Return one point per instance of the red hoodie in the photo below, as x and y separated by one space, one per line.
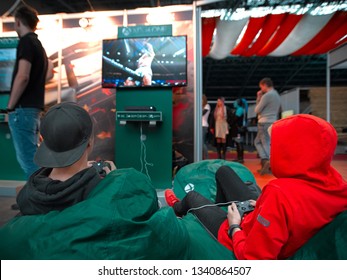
307 194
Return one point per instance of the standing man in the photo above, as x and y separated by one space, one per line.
28 87
267 108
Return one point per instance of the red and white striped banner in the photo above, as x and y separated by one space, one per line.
274 35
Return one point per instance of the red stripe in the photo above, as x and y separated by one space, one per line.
333 41
208 27
253 27
270 25
287 25
334 23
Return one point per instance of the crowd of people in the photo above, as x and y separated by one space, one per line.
228 125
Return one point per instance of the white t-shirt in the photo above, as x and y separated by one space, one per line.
205 116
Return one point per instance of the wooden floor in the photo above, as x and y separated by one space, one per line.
254 165
251 162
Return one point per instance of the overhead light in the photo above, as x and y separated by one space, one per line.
47 23
84 22
160 16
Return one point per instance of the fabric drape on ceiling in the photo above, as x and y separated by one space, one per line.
287 25
270 25
277 35
253 28
325 35
334 41
207 30
302 33
226 37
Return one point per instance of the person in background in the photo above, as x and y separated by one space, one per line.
220 127
28 87
267 107
307 194
206 109
238 128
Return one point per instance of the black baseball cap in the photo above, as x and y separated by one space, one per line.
66 129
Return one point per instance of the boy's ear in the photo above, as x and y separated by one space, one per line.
90 142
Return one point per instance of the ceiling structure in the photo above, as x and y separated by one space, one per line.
232 76
78 6
239 76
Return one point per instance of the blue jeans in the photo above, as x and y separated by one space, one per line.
24 125
262 140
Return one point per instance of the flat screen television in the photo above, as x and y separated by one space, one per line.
144 62
8 50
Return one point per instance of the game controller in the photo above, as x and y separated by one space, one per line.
244 207
99 166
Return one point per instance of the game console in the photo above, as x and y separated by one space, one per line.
244 207
140 108
99 166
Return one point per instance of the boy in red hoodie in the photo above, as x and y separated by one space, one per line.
307 194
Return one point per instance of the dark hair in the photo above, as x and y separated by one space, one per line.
267 81
204 100
27 15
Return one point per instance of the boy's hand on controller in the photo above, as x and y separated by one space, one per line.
233 216
109 166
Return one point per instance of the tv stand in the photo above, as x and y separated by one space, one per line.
152 117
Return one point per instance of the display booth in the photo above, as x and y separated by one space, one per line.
144 107
74 43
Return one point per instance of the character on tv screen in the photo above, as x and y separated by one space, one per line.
144 66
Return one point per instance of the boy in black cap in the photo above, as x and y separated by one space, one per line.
66 177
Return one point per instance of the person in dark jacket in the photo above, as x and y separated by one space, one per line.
238 128
66 177
69 212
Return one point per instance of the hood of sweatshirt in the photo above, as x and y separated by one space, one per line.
41 194
302 147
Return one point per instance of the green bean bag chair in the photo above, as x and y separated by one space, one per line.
119 220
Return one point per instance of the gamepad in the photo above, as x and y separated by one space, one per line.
99 166
244 207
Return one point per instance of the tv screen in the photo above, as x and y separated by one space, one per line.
8 50
144 62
